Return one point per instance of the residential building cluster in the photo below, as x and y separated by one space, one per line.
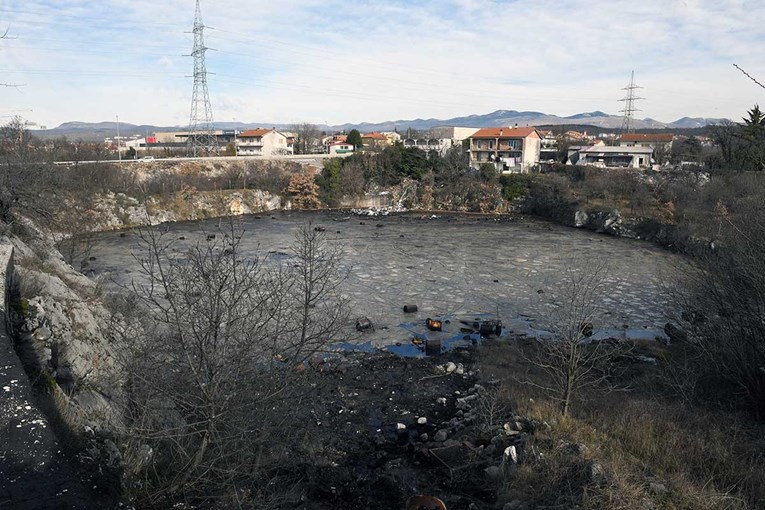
510 149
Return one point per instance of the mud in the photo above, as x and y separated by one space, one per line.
450 266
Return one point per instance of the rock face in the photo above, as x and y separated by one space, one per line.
612 222
34 470
65 334
117 210
607 222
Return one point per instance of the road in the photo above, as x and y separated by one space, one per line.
303 159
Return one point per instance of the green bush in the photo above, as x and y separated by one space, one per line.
514 186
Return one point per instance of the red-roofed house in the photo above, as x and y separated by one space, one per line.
375 140
652 140
510 149
660 143
263 142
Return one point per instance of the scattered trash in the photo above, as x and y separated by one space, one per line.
379 225
489 328
182 238
433 347
122 234
210 236
363 324
433 325
383 211
320 228
424 503
417 340
410 308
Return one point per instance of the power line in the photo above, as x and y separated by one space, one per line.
289 47
749 76
64 72
78 18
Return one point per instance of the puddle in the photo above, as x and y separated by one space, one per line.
457 333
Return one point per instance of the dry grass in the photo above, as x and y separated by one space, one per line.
642 439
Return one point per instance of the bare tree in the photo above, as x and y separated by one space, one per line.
218 383
570 360
308 138
23 176
723 301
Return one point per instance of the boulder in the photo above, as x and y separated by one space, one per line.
580 219
510 455
493 472
596 474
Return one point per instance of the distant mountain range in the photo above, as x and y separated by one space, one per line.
100 130
513 117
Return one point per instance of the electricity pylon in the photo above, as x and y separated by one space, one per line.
629 105
202 140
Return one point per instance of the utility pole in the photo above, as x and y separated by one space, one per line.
202 139
119 149
629 105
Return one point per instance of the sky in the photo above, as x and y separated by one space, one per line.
328 61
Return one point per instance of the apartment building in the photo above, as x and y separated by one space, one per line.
511 150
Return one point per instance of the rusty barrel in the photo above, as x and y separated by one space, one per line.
432 347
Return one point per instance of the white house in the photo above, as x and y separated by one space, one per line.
338 148
610 157
263 142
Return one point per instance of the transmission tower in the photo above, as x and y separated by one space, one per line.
629 105
201 140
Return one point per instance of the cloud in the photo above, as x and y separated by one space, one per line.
311 60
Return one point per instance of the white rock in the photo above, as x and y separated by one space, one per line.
450 367
422 421
510 455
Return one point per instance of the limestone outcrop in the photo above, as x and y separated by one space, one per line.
65 334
